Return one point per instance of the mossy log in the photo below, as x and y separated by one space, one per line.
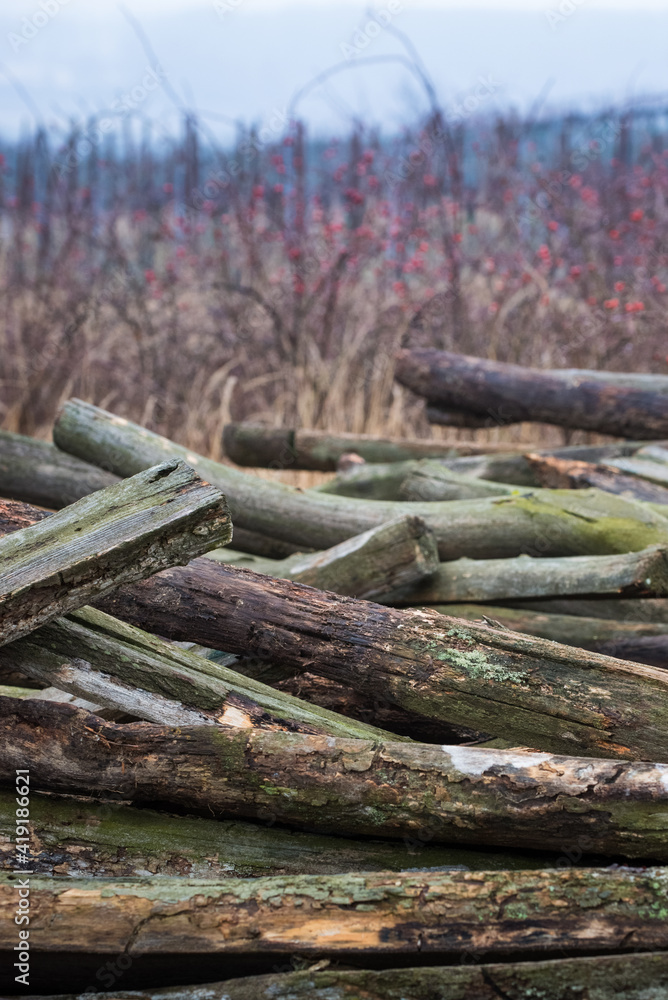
159 517
559 473
630 574
526 689
641 976
36 472
379 914
415 480
280 448
109 662
546 523
505 393
396 556
88 837
449 794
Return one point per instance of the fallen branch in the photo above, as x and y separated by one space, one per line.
455 795
163 516
506 393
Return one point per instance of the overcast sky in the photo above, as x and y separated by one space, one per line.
246 59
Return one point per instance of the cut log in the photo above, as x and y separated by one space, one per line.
559 473
279 448
163 516
630 574
507 393
547 523
644 610
382 913
94 656
396 556
641 642
107 839
36 472
641 976
417 480
531 691
455 795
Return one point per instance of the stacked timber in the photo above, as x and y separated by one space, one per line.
404 734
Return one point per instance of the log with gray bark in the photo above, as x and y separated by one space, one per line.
94 656
543 523
505 393
394 557
642 976
159 517
449 794
644 610
558 473
630 574
36 472
281 448
87 837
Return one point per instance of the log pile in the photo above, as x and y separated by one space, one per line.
401 735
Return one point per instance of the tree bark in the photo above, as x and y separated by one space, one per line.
107 839
641 642
96 657
449 794
547 523
507 393
644 610
159 517
528 690
416 480
559 473
396 556
601 977
36 472
268 447
631 574
416 913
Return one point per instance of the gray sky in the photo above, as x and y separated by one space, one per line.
245 59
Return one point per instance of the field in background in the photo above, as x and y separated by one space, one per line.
183 285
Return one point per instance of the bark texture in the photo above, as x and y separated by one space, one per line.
577 911
455 795
163 516
546 523
559 473
506 393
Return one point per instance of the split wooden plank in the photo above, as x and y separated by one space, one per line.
546 523
94 656
159 517
505 393
631 574
107 839
258 446
642 976
449 794
36 472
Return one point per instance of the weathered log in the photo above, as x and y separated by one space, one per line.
508 393
416 480
396 556
97 657
163 516
36 472
89 837
449 794
638 641
641 976
15 515
529 690
559 473
548 523
474 420
381 913
631 574
280 448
